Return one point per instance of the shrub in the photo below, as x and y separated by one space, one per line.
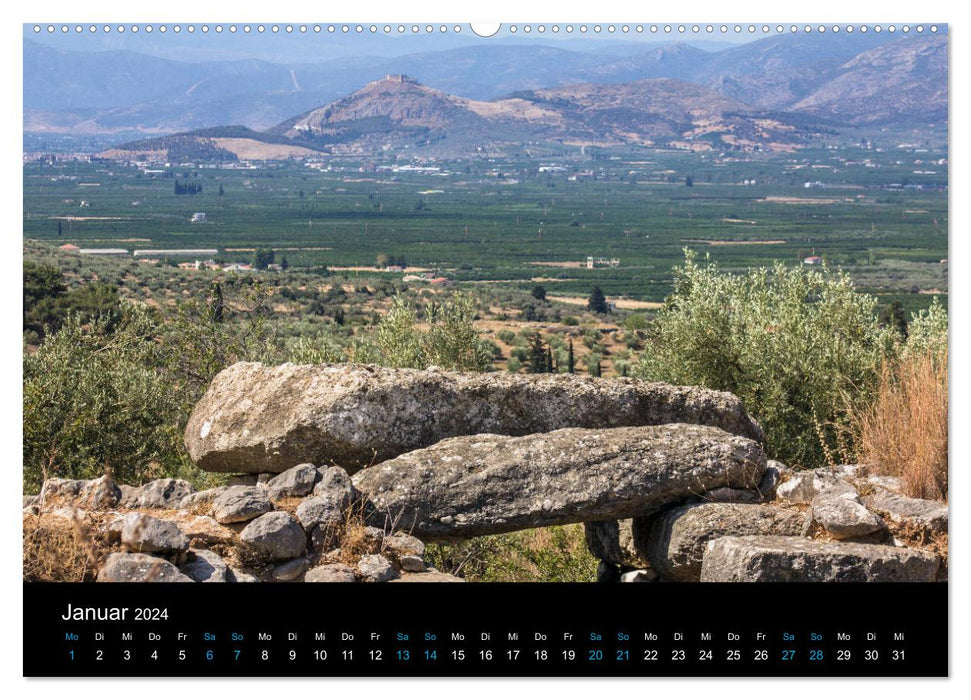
927 332
55 549
319 350
903 432
451 342
47 301
200 343
636 322
796 345
96 400
398 336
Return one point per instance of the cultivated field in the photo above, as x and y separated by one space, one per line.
879 214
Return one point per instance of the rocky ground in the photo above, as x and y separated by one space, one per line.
671 484
298 526
829 524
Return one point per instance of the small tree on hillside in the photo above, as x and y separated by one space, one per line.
537 356
263 258
216 303
598 302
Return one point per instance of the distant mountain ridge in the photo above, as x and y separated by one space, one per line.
398 113
104 92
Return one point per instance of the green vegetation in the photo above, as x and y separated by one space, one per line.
552 554
96 399
495 221
47 302
450 342
801 347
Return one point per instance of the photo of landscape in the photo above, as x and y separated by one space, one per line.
563 304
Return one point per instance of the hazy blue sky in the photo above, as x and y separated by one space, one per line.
314 47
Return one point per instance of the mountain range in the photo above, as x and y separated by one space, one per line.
770 92
397 113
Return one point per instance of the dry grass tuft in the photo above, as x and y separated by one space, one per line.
56 549
904 432
352 536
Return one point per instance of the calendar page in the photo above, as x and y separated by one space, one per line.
623 345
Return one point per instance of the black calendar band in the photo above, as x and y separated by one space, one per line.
347 630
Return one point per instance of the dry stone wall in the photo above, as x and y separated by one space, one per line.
341 472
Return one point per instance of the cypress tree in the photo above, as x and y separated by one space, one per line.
216 304
537 356
598 302
570 363
549 360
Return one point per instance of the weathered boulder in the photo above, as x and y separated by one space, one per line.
402 544
613 541
755 558
375 568
488 484
775 472
677 538
848 471
253 479
275 536
201 502
143 533
129 494
238 576
331 573
69 514
411 563
237 504
803 486
256 418
726 494
139 568
844 517
204 529
887 483
112 526
93 494
316 511
290 570
916 514
205 566
297 481
99 494
335 485
429 576
162 494
60 492
374 538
